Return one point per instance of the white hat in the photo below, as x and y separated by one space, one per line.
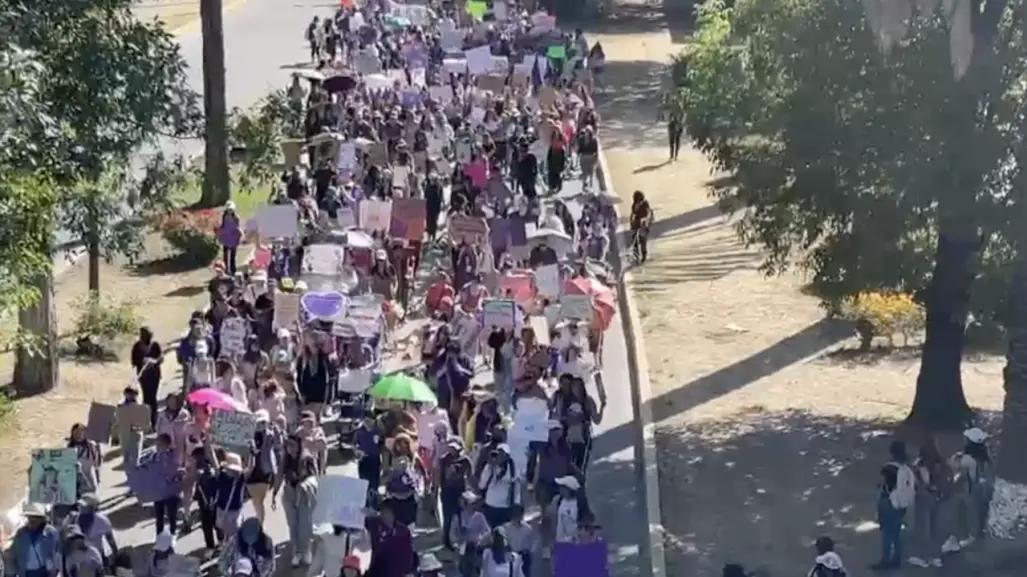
230 205
284 333
164 542
242 566
429 562
469 496
570 482
34 510
262 416
975 435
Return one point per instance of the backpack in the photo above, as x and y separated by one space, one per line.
904 493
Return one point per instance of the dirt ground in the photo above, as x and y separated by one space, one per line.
175 14
766 440
164 296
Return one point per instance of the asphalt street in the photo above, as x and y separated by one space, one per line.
263 39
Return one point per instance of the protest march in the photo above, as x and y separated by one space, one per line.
425 300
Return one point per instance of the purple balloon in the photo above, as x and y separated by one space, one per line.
324 306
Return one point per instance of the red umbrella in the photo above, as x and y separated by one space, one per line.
604 302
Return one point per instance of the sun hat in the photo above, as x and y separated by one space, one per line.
242 566
975 435
569 481
34 510
232 462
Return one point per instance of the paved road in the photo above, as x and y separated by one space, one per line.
261 37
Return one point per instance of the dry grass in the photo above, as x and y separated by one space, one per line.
764 442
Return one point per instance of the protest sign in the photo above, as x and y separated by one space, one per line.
519 285
375 215
580 559
346 218
341 501
577 307
278 221
233 336
287 310
100 422
53 476
547 280
468 229
154 478
324 259
531 420
292 150
347 160
408 218
500 313
134 416
233 429
479 60
540 326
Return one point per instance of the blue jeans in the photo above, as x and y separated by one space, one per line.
890 520
299 516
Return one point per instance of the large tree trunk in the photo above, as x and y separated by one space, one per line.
1013 436
215 178
939 404
36 371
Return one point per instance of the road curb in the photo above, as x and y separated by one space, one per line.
641 392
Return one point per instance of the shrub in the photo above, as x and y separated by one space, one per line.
103 320
192 233
883 314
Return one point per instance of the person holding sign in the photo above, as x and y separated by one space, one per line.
299 479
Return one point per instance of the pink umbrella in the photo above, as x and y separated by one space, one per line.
217 400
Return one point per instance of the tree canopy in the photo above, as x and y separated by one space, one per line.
850 160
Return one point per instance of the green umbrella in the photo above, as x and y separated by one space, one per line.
402 387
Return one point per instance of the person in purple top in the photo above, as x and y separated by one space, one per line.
230 236
392 545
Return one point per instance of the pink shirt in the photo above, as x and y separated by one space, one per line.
478 172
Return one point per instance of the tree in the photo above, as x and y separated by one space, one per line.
869 167
107 85
27 203
258 133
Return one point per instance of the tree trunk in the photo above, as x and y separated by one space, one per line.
35 370
1012 439
939 404
94 266
215 178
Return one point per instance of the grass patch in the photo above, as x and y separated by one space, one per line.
8 411
247 202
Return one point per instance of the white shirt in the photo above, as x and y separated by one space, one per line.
489 567
498 487
234 387
567 520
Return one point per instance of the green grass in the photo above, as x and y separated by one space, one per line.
247 202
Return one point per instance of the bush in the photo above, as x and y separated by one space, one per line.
101 320
192 233
883 314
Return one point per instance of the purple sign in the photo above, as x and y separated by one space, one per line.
325 306
580 560
155 478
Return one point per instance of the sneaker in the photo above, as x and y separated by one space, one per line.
308 558
295 560
966 542
936 562
951 545
547 553
917 562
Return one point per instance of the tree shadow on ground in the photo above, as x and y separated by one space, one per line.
186 291
759 488
171 265
629 113
625 18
